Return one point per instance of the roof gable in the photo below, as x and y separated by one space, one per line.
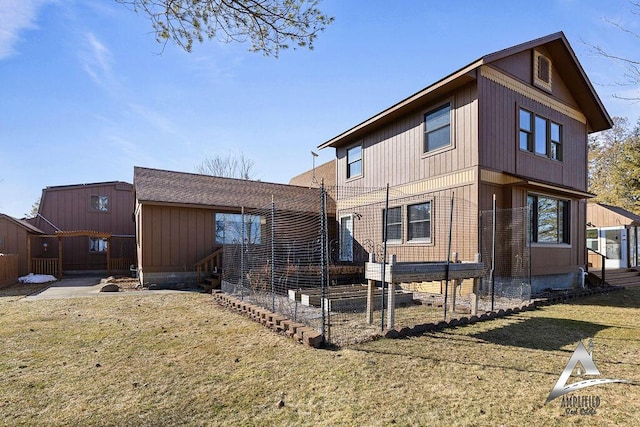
167 187
621 216
22 223
557 46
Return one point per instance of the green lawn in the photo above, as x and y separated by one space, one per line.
179 359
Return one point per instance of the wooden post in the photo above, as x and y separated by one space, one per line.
391 314
370 293
29 269
59 258
474 297
109 256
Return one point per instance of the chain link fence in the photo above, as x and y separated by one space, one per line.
321 266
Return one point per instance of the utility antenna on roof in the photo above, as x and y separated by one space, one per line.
313 171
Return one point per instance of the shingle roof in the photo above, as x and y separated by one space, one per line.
24 224
162 186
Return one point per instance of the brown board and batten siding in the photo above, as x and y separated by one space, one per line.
499 149
486 97
393 154
69 208
14 235
176 217
501 97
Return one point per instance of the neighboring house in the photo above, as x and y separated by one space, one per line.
324 173
14 238
513 124
613 232
90 225
183 219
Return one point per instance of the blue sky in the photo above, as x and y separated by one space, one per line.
85 93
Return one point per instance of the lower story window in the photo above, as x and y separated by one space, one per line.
394 225
593 242
236 228
97 244
549 219
419 220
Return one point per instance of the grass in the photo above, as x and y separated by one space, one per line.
178 359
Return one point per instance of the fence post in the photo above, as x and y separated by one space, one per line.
273 255
242 233
391 321
323 247
446 270
371 291
385 215
493 254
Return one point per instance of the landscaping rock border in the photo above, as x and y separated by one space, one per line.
313 338
417 330
298 331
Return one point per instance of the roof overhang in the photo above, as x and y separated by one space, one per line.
417 100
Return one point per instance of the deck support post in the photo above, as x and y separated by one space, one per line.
391 313
370 292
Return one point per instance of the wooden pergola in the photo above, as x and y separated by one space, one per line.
62 234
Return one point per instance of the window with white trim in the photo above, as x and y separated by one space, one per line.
593 240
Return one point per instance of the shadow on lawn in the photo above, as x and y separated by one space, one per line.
541 333
625 298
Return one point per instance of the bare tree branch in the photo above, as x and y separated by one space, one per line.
270 25
229 166
631 66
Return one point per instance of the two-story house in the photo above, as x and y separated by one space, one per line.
512 124
89 228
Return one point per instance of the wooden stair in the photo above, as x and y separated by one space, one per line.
209 271
619 277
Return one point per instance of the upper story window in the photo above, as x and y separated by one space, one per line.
394 224
1 242
419 219
540 135
354 161
549 219
100 203
437 128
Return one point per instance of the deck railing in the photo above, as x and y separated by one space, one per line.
602 260
209 263
121 264
44 266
